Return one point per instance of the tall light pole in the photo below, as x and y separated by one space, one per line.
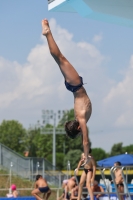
38 165
11 165
68 169
47 116
54 140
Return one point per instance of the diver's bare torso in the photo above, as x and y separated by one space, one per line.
82 105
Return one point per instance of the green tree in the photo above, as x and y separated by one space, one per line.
68 116
117 149
59 160
31 139
128 149
44 144
12 135
98 154
64 144
73 156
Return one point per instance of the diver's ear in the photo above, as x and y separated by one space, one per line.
79 128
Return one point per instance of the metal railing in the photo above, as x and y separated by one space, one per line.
107 190
29 167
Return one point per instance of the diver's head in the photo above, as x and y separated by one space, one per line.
72 129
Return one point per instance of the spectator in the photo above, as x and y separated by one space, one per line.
74 193
69 187
26 153
41 186
97 188
14 192
64 184
119 178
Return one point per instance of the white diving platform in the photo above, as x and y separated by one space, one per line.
111 11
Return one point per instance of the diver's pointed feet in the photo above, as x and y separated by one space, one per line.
45 27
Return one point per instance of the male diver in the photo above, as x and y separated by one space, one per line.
74 83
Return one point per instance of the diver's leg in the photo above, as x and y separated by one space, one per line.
68 71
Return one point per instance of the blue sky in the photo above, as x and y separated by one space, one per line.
31 81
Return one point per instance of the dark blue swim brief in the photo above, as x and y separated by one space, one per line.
73 88
44 189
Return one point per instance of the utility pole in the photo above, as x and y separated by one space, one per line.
47 116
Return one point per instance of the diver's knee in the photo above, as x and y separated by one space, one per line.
62 59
